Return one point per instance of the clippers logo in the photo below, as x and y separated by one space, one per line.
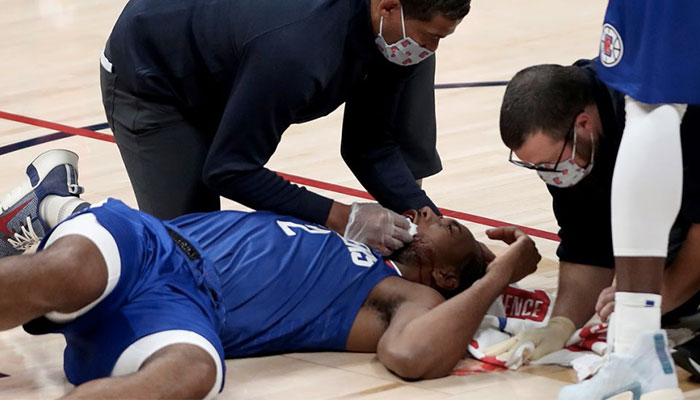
611 48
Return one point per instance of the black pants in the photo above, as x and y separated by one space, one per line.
163 153
679 231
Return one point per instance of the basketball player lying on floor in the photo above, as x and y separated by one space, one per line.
151 308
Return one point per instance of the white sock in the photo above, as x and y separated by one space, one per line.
635 314
54 209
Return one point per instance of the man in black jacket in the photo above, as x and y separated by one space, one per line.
198 94
554 116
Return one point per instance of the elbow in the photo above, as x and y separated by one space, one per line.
211 176
406 364
349 155
219 177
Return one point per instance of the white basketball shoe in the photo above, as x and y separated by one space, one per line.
54 172
646 374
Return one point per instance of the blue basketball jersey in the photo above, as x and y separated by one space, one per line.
650 50
286 285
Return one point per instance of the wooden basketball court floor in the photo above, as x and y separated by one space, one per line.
49 51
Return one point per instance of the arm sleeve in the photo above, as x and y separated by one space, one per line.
261 106
373 116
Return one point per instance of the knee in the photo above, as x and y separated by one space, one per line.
202 376
184 371
76 273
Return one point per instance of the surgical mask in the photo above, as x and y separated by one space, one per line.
405 52
567 173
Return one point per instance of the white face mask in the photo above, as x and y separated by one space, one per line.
568 173
404 52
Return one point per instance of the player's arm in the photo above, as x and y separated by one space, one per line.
578 289
426 340
374 115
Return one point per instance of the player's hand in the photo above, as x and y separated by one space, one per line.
378 227
547 339
488 254
520 258
606 303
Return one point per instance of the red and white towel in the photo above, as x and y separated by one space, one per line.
519 309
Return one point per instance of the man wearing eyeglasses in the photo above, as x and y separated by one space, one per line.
566 124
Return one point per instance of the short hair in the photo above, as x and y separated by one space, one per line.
425 10
543 97
472 270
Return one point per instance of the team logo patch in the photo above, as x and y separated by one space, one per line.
611 48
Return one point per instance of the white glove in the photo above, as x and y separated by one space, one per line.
546 340
378 227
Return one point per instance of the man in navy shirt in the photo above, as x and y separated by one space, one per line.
151 308
199 93
567 124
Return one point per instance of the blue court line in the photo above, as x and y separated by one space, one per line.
60 135
470 84
46 138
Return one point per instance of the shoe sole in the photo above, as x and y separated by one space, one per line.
666 394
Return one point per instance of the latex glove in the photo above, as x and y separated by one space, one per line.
546 340
378 227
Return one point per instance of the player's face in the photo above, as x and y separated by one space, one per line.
439 242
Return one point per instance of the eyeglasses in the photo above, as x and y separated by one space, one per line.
547 167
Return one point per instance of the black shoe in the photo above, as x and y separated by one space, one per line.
687 356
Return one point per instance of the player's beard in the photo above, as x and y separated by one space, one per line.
414 254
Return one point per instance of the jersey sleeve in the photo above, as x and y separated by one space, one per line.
374 116
265 96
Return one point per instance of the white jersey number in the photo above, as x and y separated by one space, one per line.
288 225
360 254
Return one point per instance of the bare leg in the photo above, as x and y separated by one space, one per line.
639 274
175 372
65 277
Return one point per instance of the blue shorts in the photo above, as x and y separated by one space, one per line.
163 285
650 50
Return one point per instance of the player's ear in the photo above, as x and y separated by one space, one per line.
386 7
446 277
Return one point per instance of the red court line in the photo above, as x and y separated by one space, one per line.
445 211
292 178
57 127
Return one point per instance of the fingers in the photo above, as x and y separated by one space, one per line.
400 221
501 348
508 234
391 244
605 297
539 352
605 312
402 235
